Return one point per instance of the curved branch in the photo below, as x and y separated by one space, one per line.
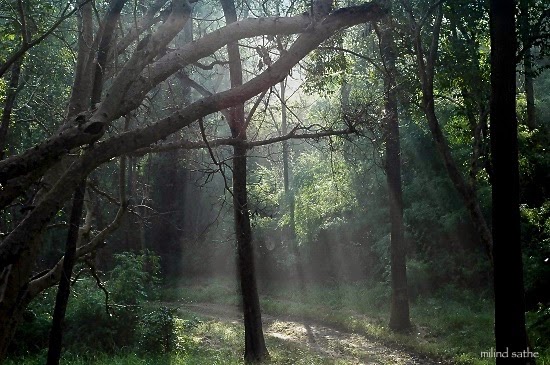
19 240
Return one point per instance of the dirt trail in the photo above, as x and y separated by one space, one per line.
326 341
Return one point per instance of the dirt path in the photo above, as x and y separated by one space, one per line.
326 341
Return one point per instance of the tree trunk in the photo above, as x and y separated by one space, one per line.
286 163
289 194
527 64
399 316
467 192
63 291
9 104
255 349
510 332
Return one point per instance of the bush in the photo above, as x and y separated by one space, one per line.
156 331
90 325
538 324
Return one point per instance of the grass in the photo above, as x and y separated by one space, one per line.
200 342
451 326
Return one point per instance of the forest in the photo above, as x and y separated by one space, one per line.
277 182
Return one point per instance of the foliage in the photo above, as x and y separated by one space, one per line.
156 331
135 278
93 325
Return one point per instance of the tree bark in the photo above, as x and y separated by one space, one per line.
255 349
399 313
64 289
510 332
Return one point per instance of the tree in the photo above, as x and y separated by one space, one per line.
93 130
254 345
426 59
510 332
399 313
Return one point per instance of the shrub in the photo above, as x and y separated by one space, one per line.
156 331
90 325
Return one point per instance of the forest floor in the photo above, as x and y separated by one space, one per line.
336 345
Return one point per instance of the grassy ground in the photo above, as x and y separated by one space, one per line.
200 342
454 326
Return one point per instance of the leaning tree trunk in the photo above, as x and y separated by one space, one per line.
510 332
255 349
426 71
399 315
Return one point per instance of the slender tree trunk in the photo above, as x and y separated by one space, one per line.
399 315
255 349
426 70
9 104
64 289
510 332
527 65
529 90
286 162
289 193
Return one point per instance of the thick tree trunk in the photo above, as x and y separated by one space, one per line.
11 306
510 332
255 349
399 315
64 289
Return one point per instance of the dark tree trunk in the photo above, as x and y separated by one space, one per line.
168 192
510 332
399 316
255 349
9 104
63 291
